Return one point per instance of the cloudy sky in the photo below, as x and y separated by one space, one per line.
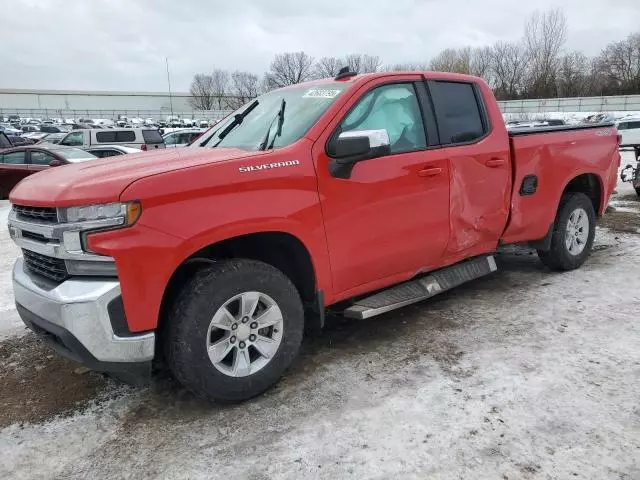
122 44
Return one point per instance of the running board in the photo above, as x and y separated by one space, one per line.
422 288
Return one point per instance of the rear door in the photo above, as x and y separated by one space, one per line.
480 167
13 168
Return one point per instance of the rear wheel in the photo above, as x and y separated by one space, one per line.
573 233
234 329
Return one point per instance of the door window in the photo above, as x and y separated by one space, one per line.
41 158
74 139
393 108
170 139
14 158
458 112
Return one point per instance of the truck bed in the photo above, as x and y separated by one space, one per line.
545 161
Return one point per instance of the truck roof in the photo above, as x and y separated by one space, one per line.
365 77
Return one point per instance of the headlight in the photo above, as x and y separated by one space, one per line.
120 214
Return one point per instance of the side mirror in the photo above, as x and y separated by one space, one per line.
55 163
355 146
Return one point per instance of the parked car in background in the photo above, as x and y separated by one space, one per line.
13 118
29 128
629 129
4 141
18 163
53 138
35 136
50 128
17 141
9 130
142 138
102 151
181 138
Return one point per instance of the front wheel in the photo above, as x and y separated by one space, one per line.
573 233
234 329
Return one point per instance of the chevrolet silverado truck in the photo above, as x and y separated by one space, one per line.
362 192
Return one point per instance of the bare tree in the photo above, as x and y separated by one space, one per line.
545 35
289 69
244 87
362 63
202 92
220 87
328 67
481 63
575 77
619 66
406 67
508 66
452 60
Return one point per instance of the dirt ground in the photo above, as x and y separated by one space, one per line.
525 374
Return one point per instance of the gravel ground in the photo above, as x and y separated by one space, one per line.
524 374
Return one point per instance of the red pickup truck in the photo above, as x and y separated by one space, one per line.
365 192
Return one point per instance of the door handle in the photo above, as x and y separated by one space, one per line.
429 172
495 162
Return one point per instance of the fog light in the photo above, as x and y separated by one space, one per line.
87 267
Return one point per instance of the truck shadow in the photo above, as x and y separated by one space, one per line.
39 385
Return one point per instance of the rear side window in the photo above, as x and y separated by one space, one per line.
126 136
152 136
14 158
106 137
634 125
460 118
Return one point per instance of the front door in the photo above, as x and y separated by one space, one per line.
390 218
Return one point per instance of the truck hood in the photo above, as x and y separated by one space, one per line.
103 180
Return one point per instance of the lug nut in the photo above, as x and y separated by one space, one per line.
245 319
232 339
242 344
234 326
252 338
254 325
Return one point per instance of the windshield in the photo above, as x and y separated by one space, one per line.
304 105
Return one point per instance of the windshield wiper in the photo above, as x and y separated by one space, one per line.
237 120
280 117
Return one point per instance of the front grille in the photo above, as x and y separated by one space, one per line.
41 214
49 267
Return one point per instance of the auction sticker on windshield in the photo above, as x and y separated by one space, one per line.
321 93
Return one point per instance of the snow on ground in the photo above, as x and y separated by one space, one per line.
569 117
524 374
10 323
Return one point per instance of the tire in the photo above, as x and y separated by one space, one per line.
637 191
191 334
560 257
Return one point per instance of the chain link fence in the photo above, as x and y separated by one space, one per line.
579 104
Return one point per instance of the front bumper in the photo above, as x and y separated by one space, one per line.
74 317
